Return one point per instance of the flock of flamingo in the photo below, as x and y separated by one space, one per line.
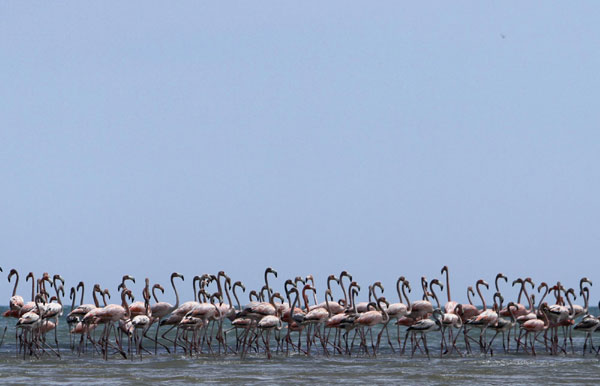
296 320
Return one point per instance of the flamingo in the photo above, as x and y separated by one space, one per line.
161 309
142 322
485 318
568 321
31 320
498 277
397 310
372 318
420 309
578 310
466 312
520 308
258 310
535 326
450 305
318 316
16 301
268 324
111 314
293 316
588 324
333 306
503 325
55 310
425 326
29 306
450 321
206 312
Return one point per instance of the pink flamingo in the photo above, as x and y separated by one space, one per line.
450 305
110 315
485 318
535 326
161 309
16 301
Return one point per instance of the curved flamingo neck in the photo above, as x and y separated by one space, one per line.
546 320
32 285
374 294
433 294
344 288
73 295
424 287
296 300
512 314
448 284
327 302
227 294
57 290
253 293
16 283
82 285
176 293
154 288
469 290
194 288
329 279
384 314
305 297
521 291
95 298
571 309
543 297
408 305
531 305
481 296
219 287
398 289
586 295
236 298
267 285
124 304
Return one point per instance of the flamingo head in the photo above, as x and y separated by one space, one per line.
530 281
160 287
436 281
271 270
542 285
240 284
58 277
483 283
128 277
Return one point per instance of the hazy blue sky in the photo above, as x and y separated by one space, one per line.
386 139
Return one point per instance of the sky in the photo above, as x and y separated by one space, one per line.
383 139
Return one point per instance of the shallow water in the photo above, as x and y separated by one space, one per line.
295 368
